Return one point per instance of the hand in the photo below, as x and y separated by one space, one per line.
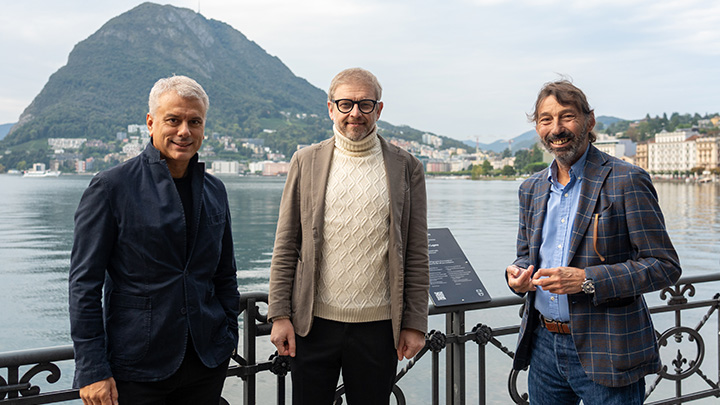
560 280
519 279
411 342
282 336
103 392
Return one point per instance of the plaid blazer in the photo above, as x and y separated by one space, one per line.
619 238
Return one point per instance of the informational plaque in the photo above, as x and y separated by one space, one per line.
453 281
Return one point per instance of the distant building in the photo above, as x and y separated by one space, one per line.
66 143
708 152
430 139
133 148
225 167
275 168
142 130
435 166
615 147
498 164
673 151
641 154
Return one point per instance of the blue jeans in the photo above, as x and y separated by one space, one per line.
556 376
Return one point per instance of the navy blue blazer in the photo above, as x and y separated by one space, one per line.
630 255
135 291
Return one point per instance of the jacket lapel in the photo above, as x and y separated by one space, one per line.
322 157
396 179
593 178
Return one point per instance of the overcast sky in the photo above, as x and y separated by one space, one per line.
459 68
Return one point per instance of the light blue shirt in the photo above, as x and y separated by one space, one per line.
557 230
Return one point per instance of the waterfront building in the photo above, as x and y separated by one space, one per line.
275 168
498 164
615 147
673 151
708 152
437 165
641 154
225 167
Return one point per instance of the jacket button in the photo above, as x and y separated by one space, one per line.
183 310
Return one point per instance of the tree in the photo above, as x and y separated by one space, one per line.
486 168
535 167
506 153
508 170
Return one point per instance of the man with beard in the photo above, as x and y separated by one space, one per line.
349 276
591 241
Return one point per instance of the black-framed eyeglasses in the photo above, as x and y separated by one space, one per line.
345 105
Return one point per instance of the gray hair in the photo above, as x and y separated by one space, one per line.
354 76
184 86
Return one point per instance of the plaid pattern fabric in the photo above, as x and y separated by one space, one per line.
612 329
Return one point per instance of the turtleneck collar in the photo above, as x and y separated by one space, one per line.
362 147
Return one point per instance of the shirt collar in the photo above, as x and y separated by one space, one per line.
576 170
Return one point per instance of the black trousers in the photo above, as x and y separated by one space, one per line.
364 352
192 384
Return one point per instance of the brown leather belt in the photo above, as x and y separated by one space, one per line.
555 326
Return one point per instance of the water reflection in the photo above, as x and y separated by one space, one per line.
36 239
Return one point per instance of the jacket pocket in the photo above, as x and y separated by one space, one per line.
128 323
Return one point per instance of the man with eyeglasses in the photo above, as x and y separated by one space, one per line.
591 242
349 276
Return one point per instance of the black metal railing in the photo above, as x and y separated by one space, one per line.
16 387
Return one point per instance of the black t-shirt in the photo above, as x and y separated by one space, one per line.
184 188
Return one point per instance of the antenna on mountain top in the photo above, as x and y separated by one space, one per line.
198 6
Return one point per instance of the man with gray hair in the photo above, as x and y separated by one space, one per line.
349 275
152 286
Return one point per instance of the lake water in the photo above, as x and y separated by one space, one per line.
36 224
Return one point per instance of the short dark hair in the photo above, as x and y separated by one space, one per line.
565 93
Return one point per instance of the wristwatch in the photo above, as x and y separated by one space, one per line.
588 286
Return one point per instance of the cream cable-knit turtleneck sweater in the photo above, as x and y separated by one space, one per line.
353 278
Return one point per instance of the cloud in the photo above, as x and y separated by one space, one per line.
460 68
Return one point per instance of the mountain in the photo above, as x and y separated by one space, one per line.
4 129
523 141
105 84
527 139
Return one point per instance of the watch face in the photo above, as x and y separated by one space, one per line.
588 287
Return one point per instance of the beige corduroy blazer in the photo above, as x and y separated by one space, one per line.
299 238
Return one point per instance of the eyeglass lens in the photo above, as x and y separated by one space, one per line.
346 105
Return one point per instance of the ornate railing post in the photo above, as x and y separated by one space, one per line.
455 358
249 347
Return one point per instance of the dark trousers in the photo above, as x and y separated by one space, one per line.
364 352
192 384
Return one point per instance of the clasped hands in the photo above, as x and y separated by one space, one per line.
557 280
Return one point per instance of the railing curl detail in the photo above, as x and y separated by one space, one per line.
679 361
677 293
